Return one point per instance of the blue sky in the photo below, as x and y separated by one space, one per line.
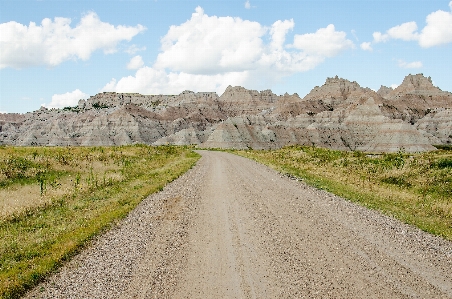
53 53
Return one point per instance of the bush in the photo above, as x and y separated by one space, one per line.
99 106
395 160
398 181
443 163
15 167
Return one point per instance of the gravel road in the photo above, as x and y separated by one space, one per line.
232 228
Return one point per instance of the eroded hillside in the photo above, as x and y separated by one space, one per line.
339 114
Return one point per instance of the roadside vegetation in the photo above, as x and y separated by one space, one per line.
415 188
54 200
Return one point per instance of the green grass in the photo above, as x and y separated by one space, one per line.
444 147
36 241
415 188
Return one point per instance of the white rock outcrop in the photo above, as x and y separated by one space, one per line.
339 114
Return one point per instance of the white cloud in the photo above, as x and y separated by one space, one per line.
53 42
326 42
210 52
207 45
406 31
133 49
354 35
394 86
366 46
410 65
3 112
247 4
438 30
135 63
279 31
66 99
379 37
149 80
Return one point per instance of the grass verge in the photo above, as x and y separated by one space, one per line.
415 188
36 241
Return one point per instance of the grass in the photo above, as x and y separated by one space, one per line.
77 193
415 188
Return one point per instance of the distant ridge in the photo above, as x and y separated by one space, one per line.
339 115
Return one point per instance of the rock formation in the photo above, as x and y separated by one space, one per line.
339 114
384 91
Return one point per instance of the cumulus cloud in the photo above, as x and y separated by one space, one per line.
410 65
279 31
438 31
406 32
207 44
247 4
135 63
379 37
326 42
148 80
367 46
53 42
66 99
210 52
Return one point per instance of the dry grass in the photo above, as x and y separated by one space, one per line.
36 176
62 197
416 188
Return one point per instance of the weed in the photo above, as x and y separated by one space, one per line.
443 163
42 182
398 181
81 192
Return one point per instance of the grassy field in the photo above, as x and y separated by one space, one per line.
415 188
54 200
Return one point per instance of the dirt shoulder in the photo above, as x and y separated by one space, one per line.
232 228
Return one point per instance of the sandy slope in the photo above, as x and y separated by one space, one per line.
231 228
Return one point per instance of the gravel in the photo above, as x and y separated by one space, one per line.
232 228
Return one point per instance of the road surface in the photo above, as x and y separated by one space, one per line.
232 228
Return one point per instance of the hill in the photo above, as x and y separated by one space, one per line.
339 114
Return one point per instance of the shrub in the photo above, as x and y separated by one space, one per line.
398 181
15 167
443 163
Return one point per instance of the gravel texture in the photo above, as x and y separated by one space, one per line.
232 228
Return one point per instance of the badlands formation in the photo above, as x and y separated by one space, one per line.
339 115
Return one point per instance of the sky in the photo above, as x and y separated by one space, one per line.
53 53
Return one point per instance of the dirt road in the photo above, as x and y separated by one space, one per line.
231 228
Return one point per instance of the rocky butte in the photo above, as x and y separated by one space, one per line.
339 115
